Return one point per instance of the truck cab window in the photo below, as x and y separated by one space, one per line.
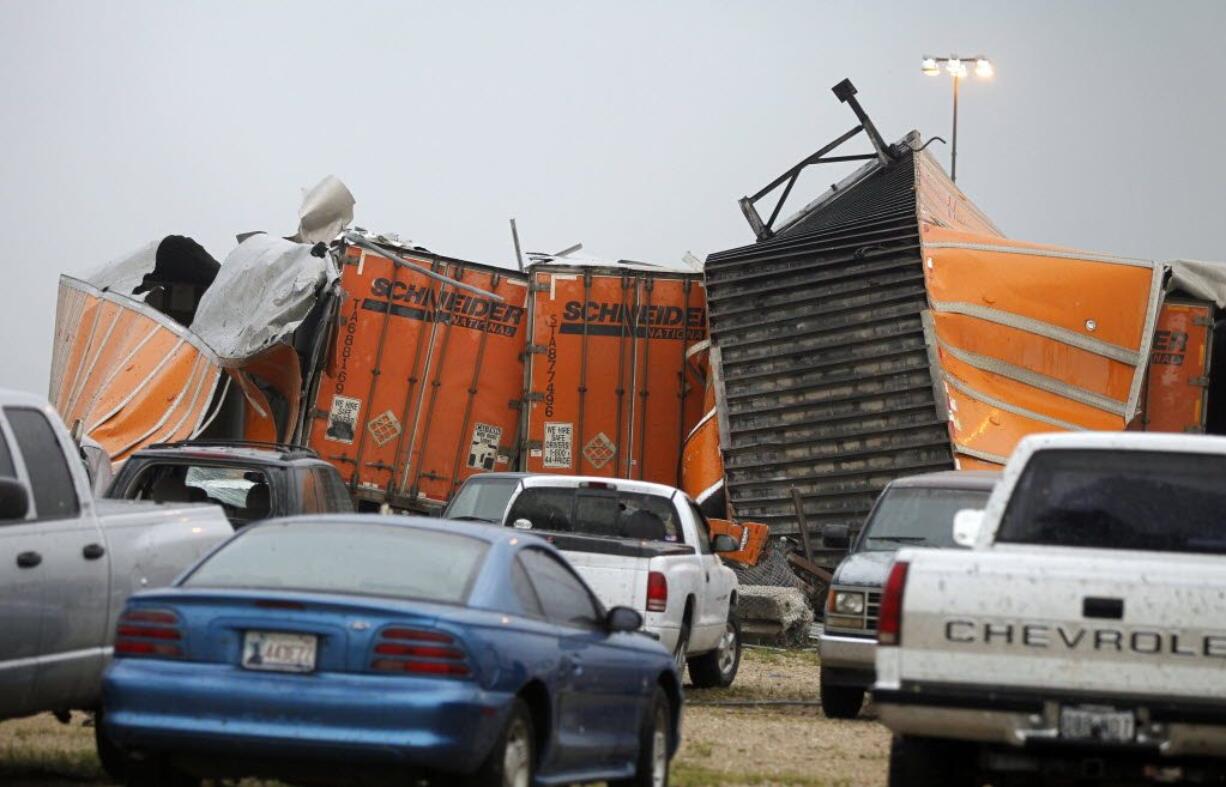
50 477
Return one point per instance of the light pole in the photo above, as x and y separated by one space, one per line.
956 68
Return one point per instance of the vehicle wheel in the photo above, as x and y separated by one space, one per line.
114 761
652 767
156 772
841 702
718 668
683 644
512 761
931 762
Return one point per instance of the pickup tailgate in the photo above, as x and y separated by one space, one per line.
618 581
1069 621
616 568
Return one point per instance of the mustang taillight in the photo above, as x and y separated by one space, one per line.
420 652
657 592
889 622
153 633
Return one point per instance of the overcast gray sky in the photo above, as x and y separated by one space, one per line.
630 126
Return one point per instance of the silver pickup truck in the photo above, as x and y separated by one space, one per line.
68 562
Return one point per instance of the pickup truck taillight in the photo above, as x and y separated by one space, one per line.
889 624
153 633
419 652
657 592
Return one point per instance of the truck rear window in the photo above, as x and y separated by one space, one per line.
1149 500
918 516
597 512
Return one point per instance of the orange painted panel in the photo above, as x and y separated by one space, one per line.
1029 398
939 201
421 388
1067 293
1174 399
1044 356
752 536
702 464
130 375
609 388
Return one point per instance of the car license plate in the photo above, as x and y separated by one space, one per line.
1091 723
271 650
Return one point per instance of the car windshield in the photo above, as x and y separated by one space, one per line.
482 499
597 512
347 558
1148 500
918 516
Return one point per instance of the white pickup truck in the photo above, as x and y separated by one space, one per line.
68 561
1082 637
640 545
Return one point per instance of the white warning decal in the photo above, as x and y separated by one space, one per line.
483 451
557 444
343 420
599 450
384 427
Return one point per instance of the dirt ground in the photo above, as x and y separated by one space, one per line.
770 745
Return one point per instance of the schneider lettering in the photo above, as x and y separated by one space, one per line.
458 303
1041 635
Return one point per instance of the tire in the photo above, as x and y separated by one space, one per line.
931 762
841 702
651 769
683 644
717 669
512 761
114 761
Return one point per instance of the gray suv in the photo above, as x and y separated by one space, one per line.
915 511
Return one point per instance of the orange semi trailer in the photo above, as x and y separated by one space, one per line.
435 361
611 391
422 386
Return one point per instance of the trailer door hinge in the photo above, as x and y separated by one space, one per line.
534 396
535 348
1203 321
539 286
1201 381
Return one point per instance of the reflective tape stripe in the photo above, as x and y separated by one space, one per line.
1036 380
1045 329
1055 254
977 454
992 401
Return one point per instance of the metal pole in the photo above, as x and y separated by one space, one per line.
953 166
519 258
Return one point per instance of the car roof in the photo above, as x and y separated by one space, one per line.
263 453
481 531
949 479
574 481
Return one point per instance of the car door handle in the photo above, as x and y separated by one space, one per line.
93 551
29 559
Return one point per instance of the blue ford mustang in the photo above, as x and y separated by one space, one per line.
327 648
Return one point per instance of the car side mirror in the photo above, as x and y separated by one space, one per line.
967 524
725 543
522 524
623 619
14 499
836 537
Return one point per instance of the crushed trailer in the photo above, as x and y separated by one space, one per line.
890 328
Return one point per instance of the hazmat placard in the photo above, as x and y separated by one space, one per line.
483 450
599 450
384 428
343 419
557 444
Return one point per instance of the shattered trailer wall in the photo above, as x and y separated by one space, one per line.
891 329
